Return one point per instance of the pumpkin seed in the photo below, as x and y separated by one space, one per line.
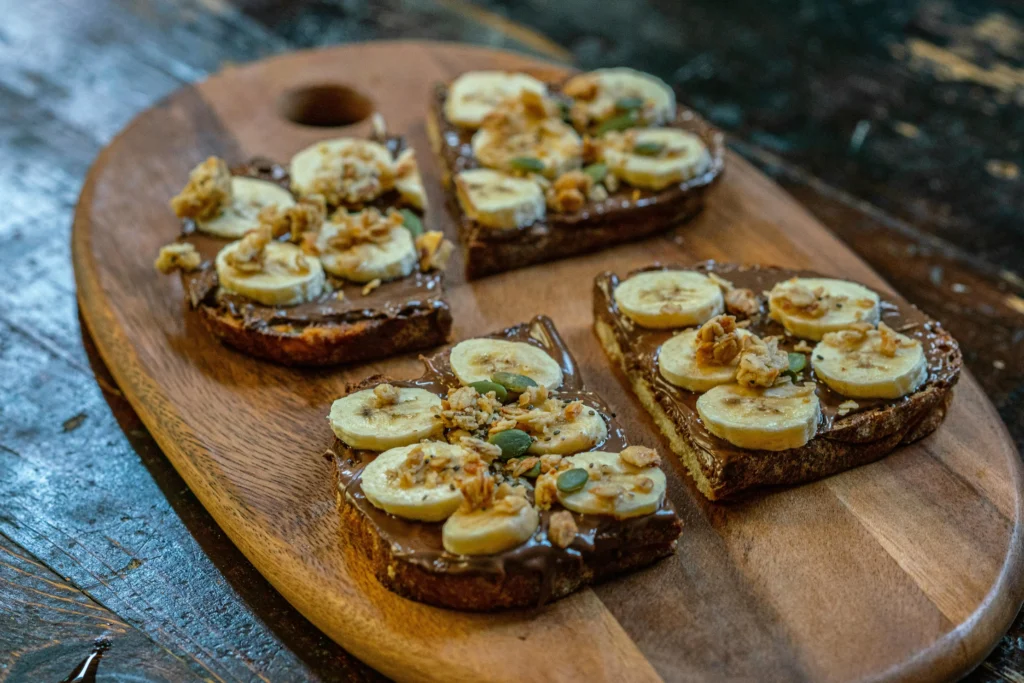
527 164
412 223
517 384
512 442
485 386
648 149
629 103
572 480
533 472
620 122
797 362
597 172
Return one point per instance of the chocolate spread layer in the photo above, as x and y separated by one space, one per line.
620 207
599 535
640 347
415 294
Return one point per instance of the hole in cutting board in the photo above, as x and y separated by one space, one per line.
327 105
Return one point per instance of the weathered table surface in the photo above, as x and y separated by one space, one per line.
900 128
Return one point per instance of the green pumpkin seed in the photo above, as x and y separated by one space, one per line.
597 172
629 103
797 362
620 122
527 164
517 384
484 387
572 480
648 149
412 223
533 472
512 442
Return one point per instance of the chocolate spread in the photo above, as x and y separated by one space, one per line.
640 348
599 535
416 293
620 206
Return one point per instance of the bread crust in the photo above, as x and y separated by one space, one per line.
333 343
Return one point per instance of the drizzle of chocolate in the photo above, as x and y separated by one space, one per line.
417 293
420 542
457 152
641 346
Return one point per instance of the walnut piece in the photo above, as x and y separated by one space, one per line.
717 341
485 450
178 256
467 410
207 192
742 302
371 285
248 256
888 341
477 491
346 229
795 299
385 395
352 175
851 337
434 250
569 192
640 456
545 491
761 362
562 528
295 221
524 465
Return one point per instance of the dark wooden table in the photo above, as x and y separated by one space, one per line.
899 124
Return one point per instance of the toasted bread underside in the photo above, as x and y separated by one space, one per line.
856 440
479 592
332 343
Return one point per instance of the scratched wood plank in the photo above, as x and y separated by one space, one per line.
782 559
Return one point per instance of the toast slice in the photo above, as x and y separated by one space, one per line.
410 558
626 214
347 322
851 432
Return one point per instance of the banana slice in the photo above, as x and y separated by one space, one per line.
859 365
551 141
249 197
669 298
614 487
475 94
423 501
364 160
772 419
475 360
499 200
364 421
565 436
601 95
390 259
488 531
655 158
811 307
677 363
287 277
408 180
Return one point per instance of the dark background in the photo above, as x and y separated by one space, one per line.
899 124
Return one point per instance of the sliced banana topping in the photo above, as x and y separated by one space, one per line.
604 94
498 200
367 246
475 360
526 135
418 482
473 95
344 171
249 197
408 180
686 361
576 428
655 158
386 417
491 523
863 362
669 298
772 419
611 485
270 273
811 307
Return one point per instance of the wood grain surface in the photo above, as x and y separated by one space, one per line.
905 568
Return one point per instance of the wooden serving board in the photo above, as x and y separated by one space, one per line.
904 569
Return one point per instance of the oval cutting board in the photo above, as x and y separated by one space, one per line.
905 568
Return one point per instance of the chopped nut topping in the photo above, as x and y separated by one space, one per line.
803 347
582 88
608 491
644 484
640 456
795 299
477 491
717 341
545 491
562 528
487 451
569 192
434 250
742 302
353 175
466 409
420 469
851 337
371 285
386 395
552 462
761 362
207 192
723 284
178 256
295 221
524 465
346 230
591 150
846 407
888 341
247 257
